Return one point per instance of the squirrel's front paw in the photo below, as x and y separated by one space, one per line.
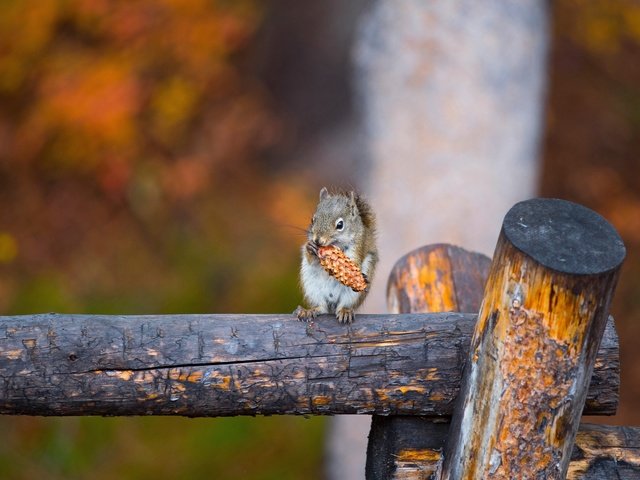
345 315
312 248
305 314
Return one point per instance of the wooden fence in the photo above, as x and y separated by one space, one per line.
541 352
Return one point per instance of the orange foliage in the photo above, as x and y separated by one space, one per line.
86 83
601 26
130 139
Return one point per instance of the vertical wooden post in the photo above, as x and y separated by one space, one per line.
434 278
544 310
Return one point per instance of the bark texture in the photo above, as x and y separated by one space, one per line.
222 365
437 278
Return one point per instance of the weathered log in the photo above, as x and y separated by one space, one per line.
217 365
427 279
544 311
602 452
437 278
434 278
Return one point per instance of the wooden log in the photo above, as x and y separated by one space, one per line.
544 310
437 278
410 448
217 365
602 452
434 278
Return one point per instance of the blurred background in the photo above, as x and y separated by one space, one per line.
161 156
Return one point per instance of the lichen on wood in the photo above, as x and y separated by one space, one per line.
535 370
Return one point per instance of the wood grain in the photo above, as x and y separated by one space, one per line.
603 452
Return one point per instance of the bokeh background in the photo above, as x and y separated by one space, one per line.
161 156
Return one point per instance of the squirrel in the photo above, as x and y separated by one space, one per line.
344 220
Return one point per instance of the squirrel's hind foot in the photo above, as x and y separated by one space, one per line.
306 314
345 315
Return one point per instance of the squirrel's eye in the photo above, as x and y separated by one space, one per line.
313 219
339 224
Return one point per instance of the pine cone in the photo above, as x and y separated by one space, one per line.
341 267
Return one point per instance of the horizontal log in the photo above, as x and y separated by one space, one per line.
225 365
605 452
600 451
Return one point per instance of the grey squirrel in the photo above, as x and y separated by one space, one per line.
346 221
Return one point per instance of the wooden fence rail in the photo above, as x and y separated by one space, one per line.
544 305
224 365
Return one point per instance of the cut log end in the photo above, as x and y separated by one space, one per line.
564 236
437 278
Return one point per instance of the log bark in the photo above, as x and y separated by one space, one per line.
434 278
544 311
223 365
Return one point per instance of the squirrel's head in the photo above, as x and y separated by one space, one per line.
337 220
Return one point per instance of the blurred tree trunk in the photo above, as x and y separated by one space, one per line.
452 100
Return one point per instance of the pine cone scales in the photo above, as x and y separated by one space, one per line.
342 268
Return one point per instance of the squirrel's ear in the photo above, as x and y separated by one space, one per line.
324 193
353 204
